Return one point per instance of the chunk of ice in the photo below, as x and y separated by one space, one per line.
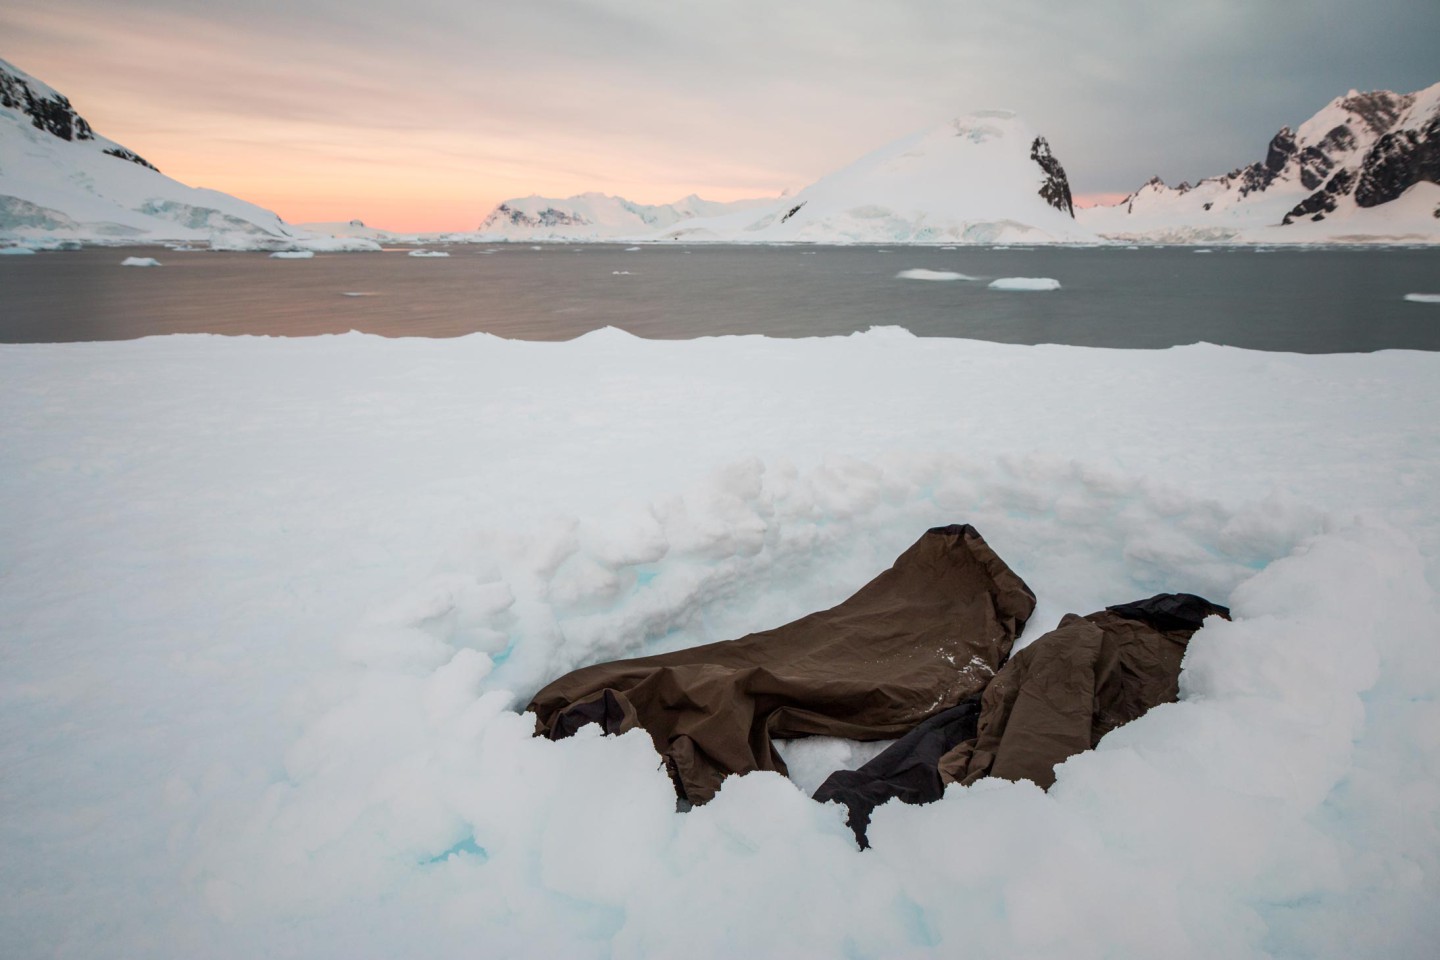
920 273
1025 283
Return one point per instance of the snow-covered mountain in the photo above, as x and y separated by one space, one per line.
596 216
59 179
1367 166
982 178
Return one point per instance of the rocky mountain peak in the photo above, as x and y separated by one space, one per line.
51 112
1056 188
1378 109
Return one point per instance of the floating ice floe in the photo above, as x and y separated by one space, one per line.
1205 250
1025 283
632 249
621 273
920 273
139 262
357 293
15 251
1423 297
292 255
428 253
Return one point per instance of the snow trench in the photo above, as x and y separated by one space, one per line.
416 808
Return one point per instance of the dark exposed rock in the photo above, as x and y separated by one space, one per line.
1379 109
793 210
1256 177
1323 201
1282 148
1318 160
1399 160
1056 188
130 155
549 217
53 114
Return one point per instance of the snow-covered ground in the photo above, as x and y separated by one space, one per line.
269 606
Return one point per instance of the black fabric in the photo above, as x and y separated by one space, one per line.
606 711
907 769
1171 611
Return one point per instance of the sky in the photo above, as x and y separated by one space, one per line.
423 115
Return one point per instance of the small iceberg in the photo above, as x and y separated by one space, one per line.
632 249
15 251
1204 250
1025 283
357 293
139 262
621 273
292 255
919 273
1423 297
428 253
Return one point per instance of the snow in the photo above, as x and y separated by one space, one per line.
1423 297
73 188
139 262
292 255
1025 283
970 180
920 273
270 605
592 217
428 253
1219 209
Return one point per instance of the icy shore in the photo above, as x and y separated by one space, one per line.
270 604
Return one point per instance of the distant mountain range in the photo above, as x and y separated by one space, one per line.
1365 168
983 178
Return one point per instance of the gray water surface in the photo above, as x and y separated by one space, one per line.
1311 301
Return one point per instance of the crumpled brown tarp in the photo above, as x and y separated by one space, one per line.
918 639
1062 693
1055 698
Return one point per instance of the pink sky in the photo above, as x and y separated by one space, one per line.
424 115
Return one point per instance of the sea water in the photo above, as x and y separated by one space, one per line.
1289 299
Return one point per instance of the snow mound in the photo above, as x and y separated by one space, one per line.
1423 297
920 273
139 262
1025 283
292 255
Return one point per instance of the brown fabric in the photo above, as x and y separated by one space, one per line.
918 639
1065 691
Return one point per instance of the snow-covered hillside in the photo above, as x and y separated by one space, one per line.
1367 166
596 216
982 178
60 179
